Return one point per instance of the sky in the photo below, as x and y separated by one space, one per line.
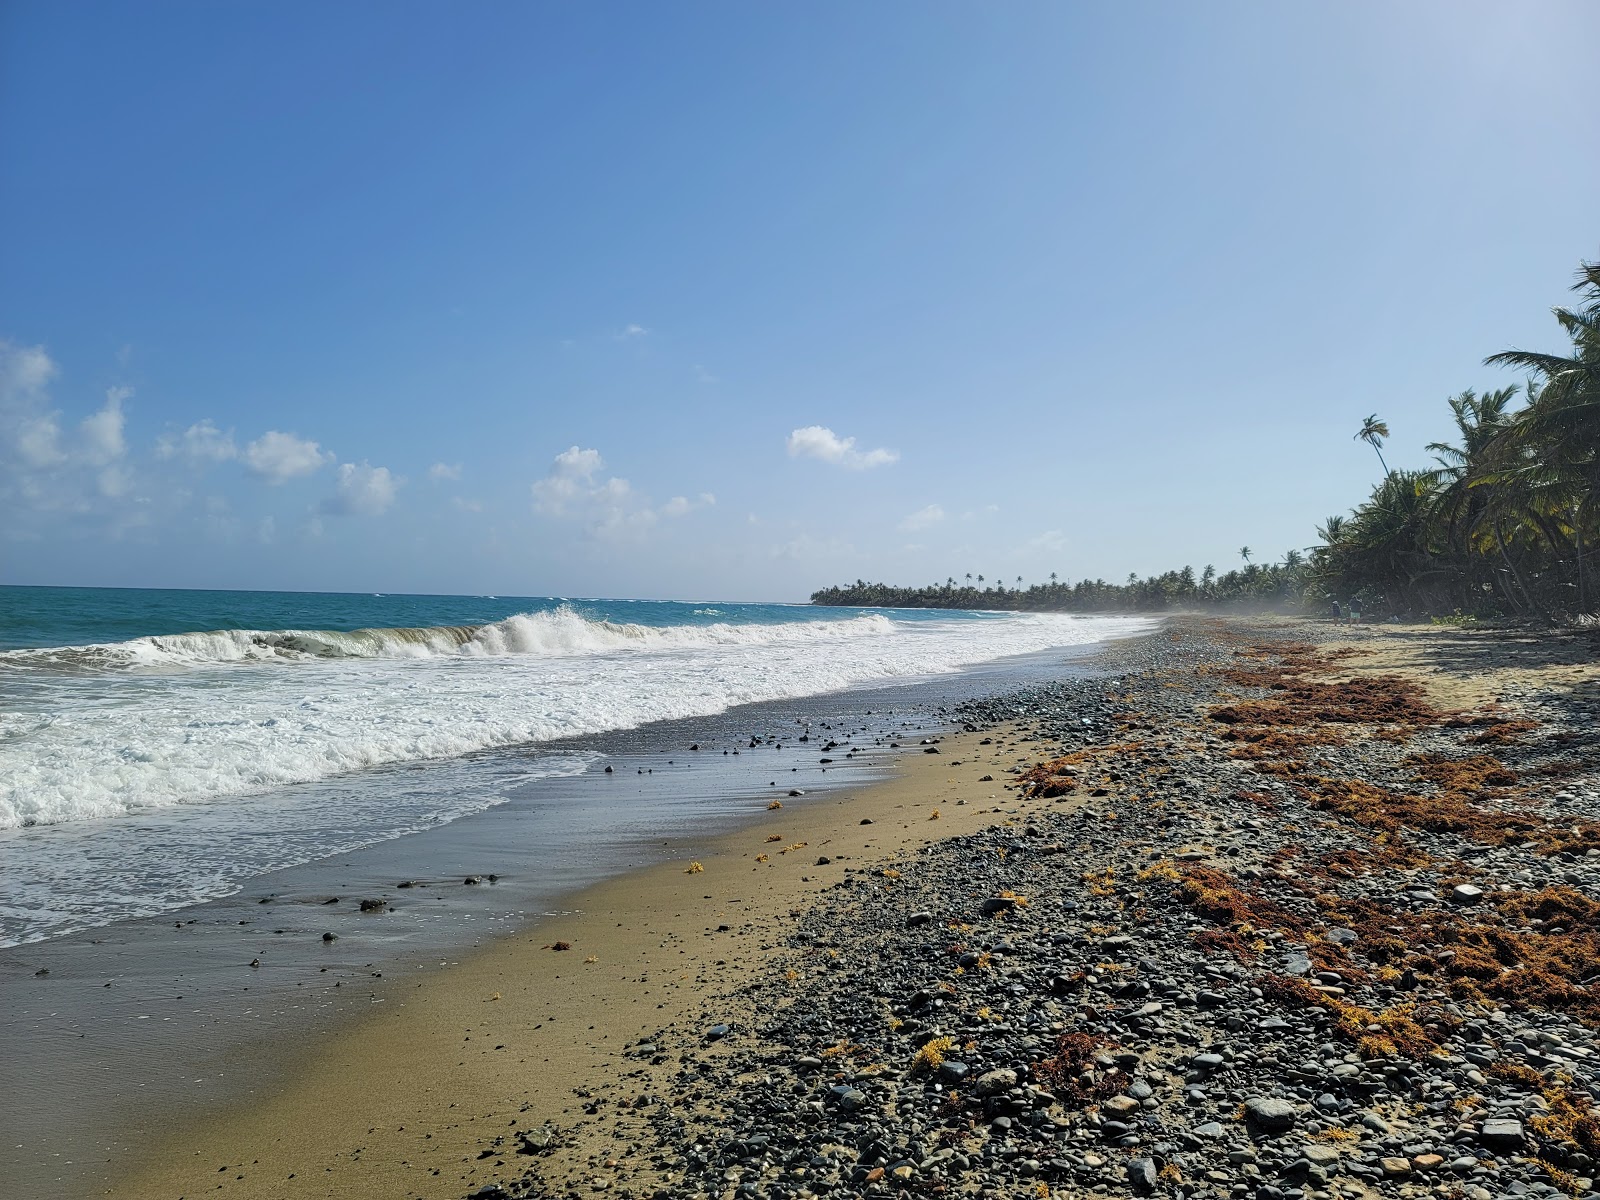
730 301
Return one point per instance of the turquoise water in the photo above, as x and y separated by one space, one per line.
61 616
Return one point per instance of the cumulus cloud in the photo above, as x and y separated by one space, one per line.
103 442
818 441
571 476
202 442
682 506
24 370
362 490
442 471
577 487
44 469
923 518
279 457
1050 539
38 441
629 332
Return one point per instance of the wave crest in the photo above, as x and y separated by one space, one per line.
561 632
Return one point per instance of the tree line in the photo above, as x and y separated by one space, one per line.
1506 522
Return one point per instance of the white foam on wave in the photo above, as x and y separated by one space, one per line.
88 745
559 632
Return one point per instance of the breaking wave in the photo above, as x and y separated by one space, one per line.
103 731
561 632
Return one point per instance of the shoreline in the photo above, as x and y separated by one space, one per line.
508 1030
496 1093
187 1023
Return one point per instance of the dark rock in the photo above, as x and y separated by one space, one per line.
1271 1114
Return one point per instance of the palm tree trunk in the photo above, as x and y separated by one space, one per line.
1500 541
1583 592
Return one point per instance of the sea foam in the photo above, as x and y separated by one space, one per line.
97 732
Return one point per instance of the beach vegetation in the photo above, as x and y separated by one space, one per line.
931 1056
1503 522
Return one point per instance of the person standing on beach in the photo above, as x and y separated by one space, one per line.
1355 612
1338 613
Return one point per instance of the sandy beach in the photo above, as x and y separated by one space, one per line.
553 1061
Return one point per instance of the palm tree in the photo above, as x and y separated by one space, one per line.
1244 553
1559 430
1372 432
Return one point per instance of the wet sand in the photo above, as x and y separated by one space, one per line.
117 1035
407 1101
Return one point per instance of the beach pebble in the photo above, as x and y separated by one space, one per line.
1271 1114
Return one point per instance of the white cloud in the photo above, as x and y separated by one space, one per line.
46 470
682 506
24 370
278 457
818 441
102 431
362 490
115 481
571 476
701 375
202 442
29 431
38 441
462 505
923 518
576 487
629 332
1050 539
442 471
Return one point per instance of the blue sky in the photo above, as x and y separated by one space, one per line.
733 301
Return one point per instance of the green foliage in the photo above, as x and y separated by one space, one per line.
1270 587
1508 522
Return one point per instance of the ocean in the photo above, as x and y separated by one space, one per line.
162 748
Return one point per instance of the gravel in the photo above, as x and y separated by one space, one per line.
1038 1009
